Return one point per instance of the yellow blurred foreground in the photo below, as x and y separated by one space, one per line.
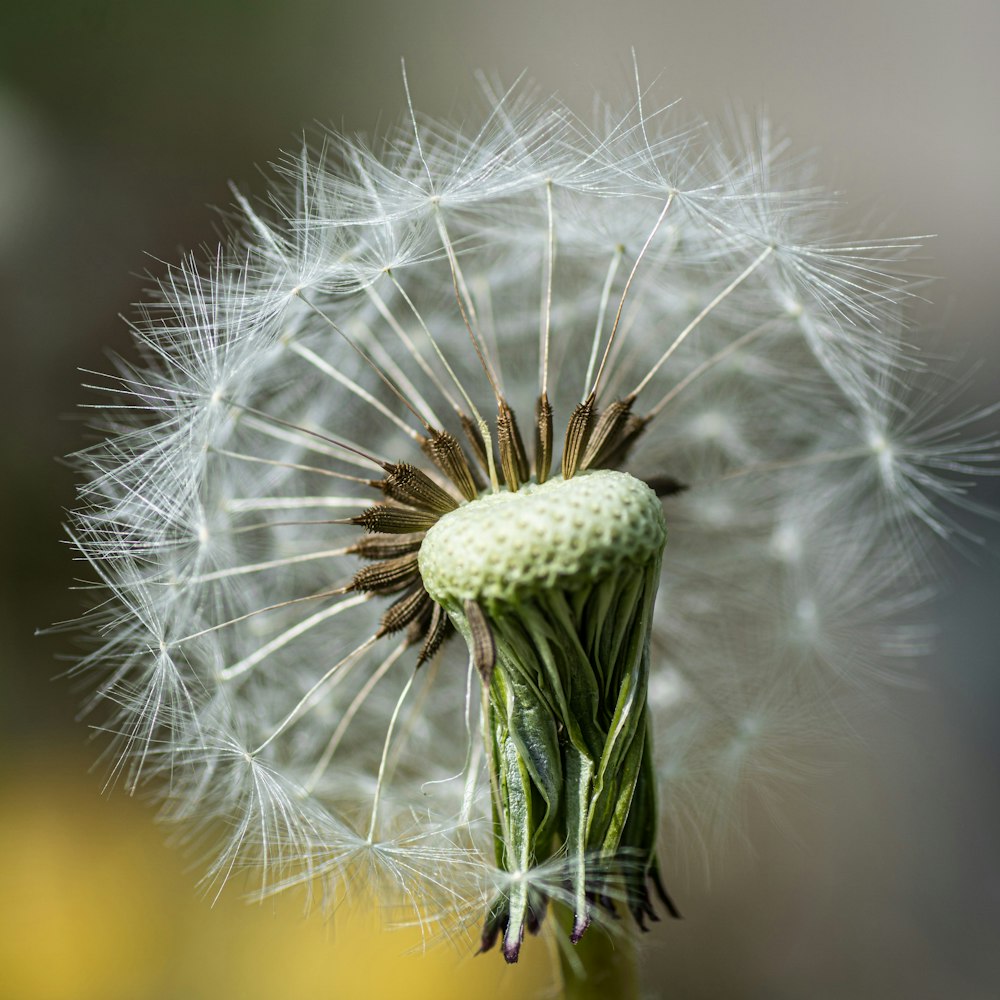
95 907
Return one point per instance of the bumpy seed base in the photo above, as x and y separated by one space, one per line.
504 547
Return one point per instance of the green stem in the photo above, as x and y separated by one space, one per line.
599 967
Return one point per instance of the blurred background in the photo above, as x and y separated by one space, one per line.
121 122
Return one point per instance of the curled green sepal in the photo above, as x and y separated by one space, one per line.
570 746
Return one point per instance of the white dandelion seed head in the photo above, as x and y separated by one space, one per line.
382 289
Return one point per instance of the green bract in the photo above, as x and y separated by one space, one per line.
561 578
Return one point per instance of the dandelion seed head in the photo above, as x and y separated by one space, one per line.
420 361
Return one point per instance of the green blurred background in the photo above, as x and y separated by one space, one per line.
120 125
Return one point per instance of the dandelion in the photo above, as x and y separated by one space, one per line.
497 504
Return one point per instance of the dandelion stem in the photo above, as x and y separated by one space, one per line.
599 966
